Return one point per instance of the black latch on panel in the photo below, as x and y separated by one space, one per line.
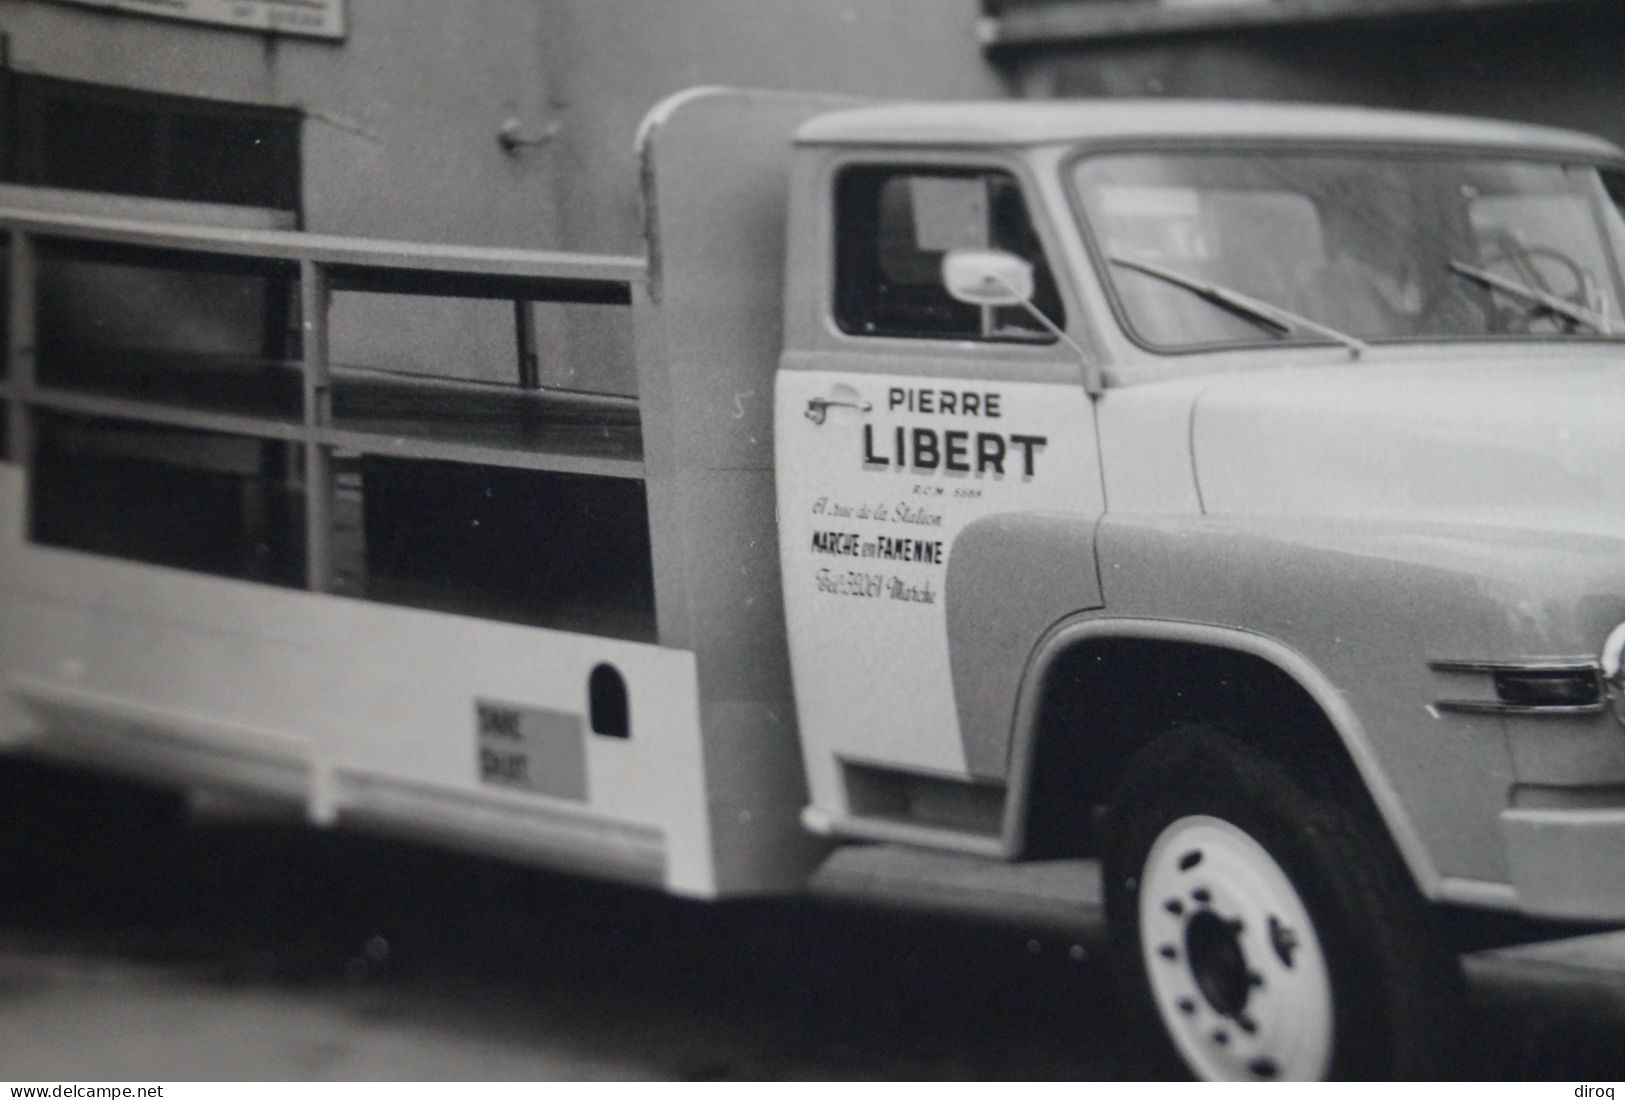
606 700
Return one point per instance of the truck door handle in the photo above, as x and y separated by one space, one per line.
818 407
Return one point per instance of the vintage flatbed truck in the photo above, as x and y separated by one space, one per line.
1223 493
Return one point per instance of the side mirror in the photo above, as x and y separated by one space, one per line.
987 277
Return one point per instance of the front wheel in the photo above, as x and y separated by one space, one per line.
1271 934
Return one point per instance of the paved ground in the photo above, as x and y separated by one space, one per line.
134 951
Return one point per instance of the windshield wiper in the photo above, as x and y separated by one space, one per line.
1533 295
1266 314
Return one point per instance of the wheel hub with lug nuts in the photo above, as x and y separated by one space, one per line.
1234 964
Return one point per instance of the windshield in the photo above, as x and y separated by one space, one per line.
1367 247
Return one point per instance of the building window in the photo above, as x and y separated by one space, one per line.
91 137
894 225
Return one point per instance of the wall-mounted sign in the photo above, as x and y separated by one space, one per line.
310 18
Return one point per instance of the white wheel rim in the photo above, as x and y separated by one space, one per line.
1235 966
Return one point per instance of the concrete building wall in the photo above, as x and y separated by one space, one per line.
401 120
401 116
398 136
612 59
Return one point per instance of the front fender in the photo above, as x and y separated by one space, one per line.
1368 605
1011 576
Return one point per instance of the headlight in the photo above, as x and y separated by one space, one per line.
1613 670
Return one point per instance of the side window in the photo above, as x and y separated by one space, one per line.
892 227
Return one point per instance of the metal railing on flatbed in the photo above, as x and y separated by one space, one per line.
307 402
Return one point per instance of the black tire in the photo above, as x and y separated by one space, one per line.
1242 992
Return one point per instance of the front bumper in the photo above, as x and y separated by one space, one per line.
1567 863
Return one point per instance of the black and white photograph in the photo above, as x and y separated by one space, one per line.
679 541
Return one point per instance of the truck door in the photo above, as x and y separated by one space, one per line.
907 416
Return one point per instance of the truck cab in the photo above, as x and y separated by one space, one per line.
1121 443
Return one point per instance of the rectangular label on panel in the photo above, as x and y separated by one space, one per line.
533 748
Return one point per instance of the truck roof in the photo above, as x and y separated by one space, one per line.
1106 120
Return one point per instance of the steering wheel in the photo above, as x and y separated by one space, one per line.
1543 268
1533 264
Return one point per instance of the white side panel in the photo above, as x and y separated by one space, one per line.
363 711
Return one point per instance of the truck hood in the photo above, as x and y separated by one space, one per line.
1539 442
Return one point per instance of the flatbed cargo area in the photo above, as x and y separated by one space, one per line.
466 543
231 443
171 398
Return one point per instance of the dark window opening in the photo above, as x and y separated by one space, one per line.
566 551
607 704
206 501
893 227
91 137
193 329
